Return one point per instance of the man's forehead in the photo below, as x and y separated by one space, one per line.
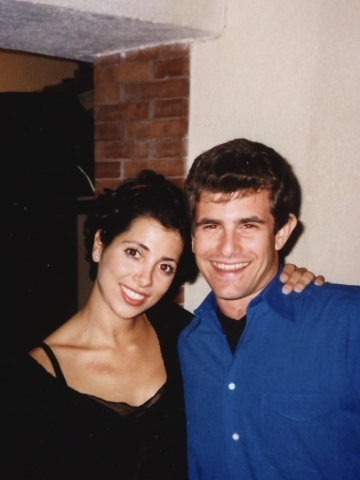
224 197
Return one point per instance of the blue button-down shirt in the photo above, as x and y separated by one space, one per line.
286 405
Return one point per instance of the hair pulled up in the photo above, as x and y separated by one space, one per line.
147 195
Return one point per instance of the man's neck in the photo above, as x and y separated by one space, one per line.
235 309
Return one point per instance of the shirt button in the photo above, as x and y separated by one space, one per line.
235 436
231 386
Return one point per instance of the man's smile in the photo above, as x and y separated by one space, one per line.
231 266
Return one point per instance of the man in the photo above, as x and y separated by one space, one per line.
272 382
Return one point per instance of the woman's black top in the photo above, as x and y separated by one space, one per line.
50 431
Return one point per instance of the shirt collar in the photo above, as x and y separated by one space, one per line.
271 296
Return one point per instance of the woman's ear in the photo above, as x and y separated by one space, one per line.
97 247
284 233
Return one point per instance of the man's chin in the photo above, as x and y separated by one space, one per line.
229 295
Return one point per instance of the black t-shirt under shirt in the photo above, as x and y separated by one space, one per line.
232 328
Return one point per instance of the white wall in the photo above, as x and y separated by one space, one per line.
205 15
287 74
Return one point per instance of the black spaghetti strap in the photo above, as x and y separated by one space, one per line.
59 374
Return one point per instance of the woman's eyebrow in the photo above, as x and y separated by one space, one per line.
138 244
167 259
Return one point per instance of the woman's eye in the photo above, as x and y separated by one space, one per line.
166 268
132 252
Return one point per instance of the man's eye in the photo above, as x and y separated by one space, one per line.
168 269
132 252
248 226
212 226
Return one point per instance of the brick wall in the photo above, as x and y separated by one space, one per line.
141 108
141 113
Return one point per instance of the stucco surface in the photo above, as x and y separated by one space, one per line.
198 14
82 30
287 74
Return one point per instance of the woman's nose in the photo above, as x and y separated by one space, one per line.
143 276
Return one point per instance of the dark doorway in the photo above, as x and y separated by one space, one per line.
47 146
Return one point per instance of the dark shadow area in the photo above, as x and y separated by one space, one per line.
290 244
47 144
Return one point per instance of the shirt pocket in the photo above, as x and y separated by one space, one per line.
300 434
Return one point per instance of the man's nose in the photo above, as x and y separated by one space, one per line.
229 244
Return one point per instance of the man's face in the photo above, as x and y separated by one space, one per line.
235 247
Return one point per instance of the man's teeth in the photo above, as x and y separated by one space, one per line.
233 266
132 294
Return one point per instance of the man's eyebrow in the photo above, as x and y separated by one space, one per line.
253 219
241 221
207 221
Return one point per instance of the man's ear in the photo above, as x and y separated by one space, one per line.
192 243
284 233
97 247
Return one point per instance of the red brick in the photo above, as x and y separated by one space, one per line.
156 129
107 59
121 111
155 53
109 113
136 111
174 67
105 75
108 150
107 169
169 147
134 72
160 89
177 107
107 93
166 167
137 72
107 131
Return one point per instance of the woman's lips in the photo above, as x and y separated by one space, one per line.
131 296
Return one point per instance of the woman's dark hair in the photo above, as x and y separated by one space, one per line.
148 195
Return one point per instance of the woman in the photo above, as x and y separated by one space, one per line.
101 397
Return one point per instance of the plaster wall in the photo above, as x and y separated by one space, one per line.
24 72
205 15
287 74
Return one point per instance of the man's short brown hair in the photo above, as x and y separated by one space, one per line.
241 165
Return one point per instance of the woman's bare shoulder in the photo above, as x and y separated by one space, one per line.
56 339
42 358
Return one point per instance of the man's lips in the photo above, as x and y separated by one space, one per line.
230 267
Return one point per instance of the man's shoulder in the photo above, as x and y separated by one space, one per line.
332 300
335 292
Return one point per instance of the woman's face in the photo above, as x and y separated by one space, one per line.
137 268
